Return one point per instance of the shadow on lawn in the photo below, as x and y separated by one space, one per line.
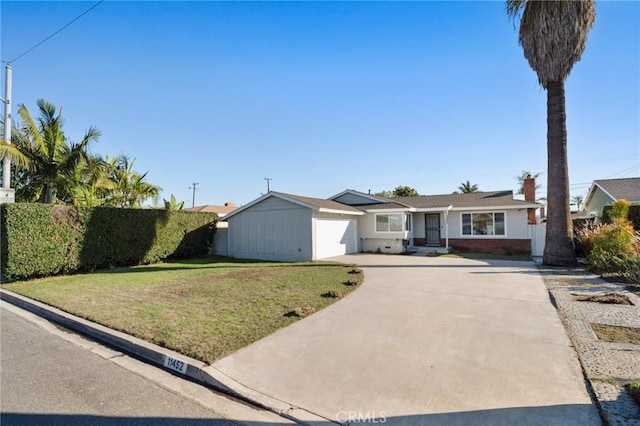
218 262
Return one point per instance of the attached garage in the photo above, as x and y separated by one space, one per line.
285 227
335 236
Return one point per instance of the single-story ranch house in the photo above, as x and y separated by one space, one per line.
604 192
286 227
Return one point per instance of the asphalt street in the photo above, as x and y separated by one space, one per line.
47 379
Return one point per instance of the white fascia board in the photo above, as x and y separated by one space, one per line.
246 206
432 209
592 191
264 197
394 210
520 207
323 210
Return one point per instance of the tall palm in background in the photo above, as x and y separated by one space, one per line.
468 188
553 35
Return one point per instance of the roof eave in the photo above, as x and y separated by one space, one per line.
349 212
503 207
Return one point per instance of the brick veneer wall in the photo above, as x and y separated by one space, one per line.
487 245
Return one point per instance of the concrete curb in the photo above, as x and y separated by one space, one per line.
166 359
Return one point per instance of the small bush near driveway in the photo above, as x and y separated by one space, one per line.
203 308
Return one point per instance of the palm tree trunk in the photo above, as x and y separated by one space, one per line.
559 248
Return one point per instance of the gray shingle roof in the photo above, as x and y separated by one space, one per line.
476 199
378 206
625 188
320 203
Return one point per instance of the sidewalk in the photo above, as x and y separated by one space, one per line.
608 366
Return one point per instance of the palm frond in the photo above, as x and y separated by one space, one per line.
13 153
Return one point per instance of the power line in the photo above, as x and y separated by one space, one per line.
52 35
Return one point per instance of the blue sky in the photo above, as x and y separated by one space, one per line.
324 96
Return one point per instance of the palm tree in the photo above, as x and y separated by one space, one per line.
43 154
131 189
553 35
173 204
578 200
525 174
468 188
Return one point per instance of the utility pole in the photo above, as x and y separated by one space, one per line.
6 193
268 180
193 199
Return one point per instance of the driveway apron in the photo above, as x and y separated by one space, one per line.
427 341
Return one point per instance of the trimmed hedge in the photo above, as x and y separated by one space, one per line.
44 239
634 215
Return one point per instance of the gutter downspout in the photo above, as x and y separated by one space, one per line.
446 226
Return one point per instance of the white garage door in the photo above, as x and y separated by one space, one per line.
335 237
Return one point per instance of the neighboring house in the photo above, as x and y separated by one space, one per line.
220 241
604 192
287 227
222 211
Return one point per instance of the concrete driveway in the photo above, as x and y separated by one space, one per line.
426 341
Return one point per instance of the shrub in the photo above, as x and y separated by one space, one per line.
583 235
45 239
633 214
614 248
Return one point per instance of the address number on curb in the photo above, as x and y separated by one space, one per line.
175 364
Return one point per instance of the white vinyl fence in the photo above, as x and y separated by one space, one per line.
537 233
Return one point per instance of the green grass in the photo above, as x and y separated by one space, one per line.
203 308
487 256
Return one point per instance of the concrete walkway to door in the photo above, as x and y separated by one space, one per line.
441 341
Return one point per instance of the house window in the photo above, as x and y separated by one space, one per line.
389 222
407 223
490 223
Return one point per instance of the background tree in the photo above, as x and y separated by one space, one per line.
523 176
468 188
131 188
47 157
404 191
386 194
49 168
399 191
578 200
173 204
553 35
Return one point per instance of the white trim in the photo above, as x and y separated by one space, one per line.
325 210
394 210
291 200
463 235
518 207
592 191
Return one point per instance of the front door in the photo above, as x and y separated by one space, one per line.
432 227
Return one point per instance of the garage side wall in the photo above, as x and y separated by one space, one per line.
273 229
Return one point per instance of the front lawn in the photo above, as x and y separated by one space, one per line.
203 308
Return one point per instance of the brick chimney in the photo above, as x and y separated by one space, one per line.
530 196
230 204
